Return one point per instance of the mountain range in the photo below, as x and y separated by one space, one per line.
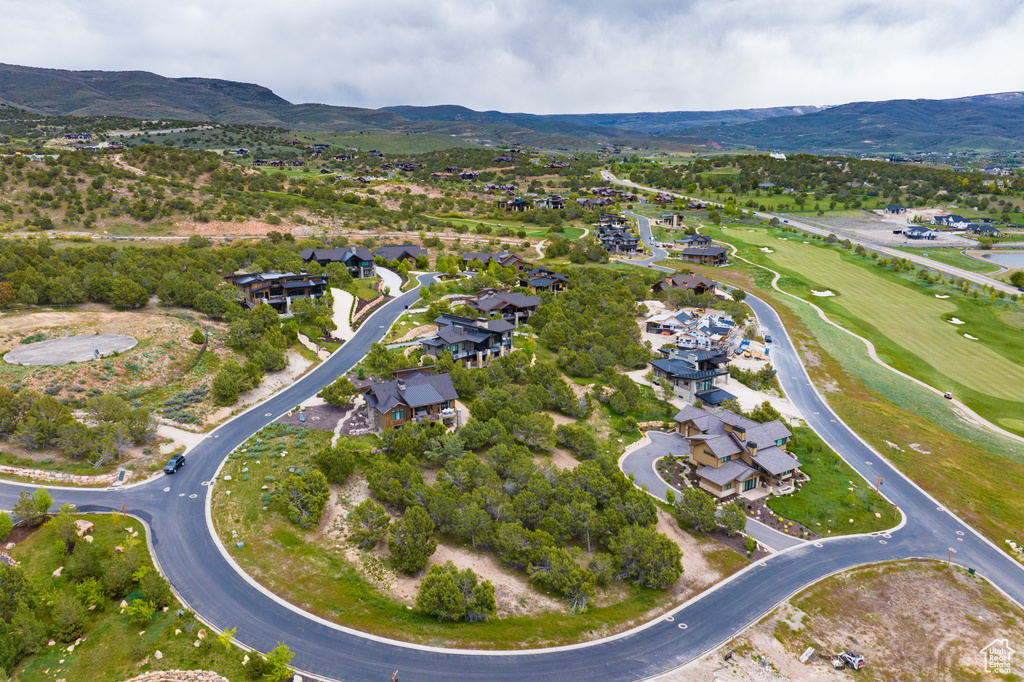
980 123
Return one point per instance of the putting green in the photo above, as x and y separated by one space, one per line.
908 325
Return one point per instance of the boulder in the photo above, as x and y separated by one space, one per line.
84 527
119 550
88 538
9 546
201 634
158 655
56 574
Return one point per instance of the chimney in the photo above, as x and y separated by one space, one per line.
752 447
740 431
401 384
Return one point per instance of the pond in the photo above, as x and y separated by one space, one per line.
1011 259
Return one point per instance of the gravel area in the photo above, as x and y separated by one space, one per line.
70 349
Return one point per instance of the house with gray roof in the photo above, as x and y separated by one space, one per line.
695 374
472 342
399 252
277 289
415 395
542 279
512 306
357 259
735 455
503 259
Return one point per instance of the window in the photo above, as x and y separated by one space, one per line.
780 442
398 414
724 460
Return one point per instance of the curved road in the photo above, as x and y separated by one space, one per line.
177 511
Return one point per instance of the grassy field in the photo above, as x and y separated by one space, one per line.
365 289
112 647
953 257
834 495
911 328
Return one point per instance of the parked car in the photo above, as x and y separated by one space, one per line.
174 463
947 395
768 338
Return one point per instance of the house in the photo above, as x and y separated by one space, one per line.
469 175
696 205
78 136
663 198
503 259
895 210
707 333
698 284
277 289
708 255
611 220
416 395
399 252
512 306
735 454
542 279
668 323
588 204
471 342
357 259
919 232
554 202
670 220
517 204
766 185
694 241
983 230
956 221
778 156
617 239
693 373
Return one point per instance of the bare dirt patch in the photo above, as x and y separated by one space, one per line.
911 621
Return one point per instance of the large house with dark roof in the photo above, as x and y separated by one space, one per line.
415 395
694 374
357 259
734 454
694 241
698 284
617 239
277 289
512 306
503 259
406 252
471 342
707 255
542 279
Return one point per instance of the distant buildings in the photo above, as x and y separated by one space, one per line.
503 259
400 252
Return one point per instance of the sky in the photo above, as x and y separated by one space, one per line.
542 56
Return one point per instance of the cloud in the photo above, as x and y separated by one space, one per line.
542 56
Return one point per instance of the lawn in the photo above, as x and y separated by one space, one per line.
365 289
532 231
112 647
911 328
834 495
953 257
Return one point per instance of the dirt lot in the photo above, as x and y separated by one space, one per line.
879 230
910 620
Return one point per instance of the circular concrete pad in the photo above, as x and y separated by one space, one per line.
70 349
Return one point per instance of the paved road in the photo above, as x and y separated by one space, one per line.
176 508
648 239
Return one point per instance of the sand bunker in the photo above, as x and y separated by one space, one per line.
827 292
972 338
766 249
941 296
70 349
956 320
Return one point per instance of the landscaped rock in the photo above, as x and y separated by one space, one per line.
56 574
119 550
124 604
245 659
129 530
50 643
158 655
9 546
84 527
201 634
88 538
